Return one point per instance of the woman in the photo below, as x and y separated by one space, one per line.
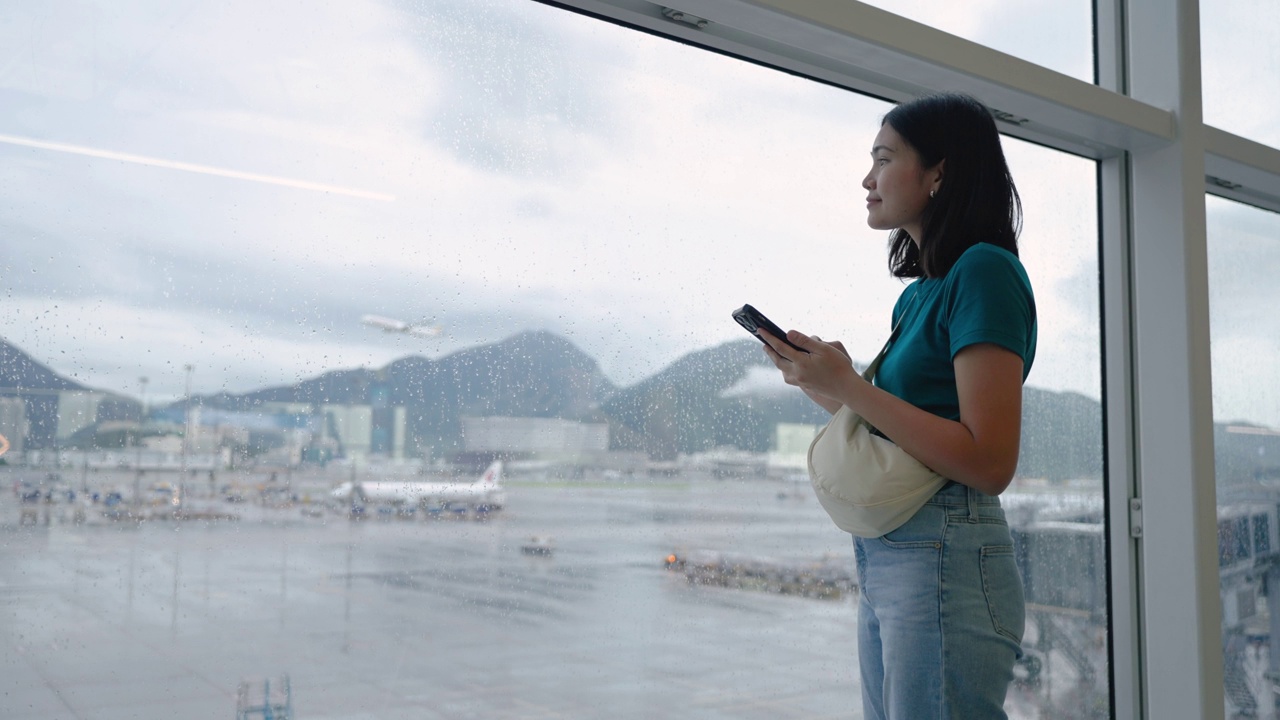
941 613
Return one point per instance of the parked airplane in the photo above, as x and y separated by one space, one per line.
483 494
400 326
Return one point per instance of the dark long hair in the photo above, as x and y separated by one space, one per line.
976 202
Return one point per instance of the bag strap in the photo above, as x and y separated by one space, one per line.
870 373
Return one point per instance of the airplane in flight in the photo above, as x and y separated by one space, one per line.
485 493
399 326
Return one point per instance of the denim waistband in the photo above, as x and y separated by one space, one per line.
953 493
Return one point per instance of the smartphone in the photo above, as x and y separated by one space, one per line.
751 318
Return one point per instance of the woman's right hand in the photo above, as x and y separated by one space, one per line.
826 403
837 345
822 400
830 405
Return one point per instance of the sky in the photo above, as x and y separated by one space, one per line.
233 186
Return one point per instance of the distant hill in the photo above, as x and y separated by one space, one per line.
20 374
702 400
683 408
1061 435
532 374
20 370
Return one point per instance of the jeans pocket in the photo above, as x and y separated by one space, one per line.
925 530
1002 587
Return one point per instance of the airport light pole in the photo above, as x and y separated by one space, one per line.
137 441
288 463
186 431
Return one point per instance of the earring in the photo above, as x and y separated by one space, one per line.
933 193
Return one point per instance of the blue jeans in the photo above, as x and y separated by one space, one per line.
941 613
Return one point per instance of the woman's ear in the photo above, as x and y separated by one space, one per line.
937 172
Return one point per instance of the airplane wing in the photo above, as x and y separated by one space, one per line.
425 330
385 323
400 326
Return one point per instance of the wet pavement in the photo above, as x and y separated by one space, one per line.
429 618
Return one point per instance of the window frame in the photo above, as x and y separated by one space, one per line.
1143 122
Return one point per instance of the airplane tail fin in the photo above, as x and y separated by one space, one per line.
492 476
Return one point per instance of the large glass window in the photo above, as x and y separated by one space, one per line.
1239 60
1245 334
1055 504
284 280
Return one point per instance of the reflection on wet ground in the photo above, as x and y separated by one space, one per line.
420 618
628 598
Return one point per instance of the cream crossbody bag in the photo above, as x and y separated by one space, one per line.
868 485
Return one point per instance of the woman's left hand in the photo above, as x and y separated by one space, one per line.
825 369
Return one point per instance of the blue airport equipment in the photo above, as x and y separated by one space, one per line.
1044 548
276 705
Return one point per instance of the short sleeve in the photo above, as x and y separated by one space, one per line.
989 300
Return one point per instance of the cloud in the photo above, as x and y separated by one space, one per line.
511 107
1244 328
1257 399
116 343
1243 256
759 381
1239 61
1058 247
1052 33
549 172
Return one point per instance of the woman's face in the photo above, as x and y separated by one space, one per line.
898 186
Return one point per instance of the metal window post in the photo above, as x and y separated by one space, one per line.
1181 646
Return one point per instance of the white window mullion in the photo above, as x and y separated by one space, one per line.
1121 465
1181 614
1115 264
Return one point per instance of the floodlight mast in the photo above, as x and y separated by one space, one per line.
186 430
137 441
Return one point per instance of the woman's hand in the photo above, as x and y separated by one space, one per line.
825 370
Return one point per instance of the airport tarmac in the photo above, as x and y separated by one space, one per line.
417 618
428 619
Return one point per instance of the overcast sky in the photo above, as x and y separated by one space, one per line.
234 185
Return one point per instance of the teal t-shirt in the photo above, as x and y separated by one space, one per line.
984 298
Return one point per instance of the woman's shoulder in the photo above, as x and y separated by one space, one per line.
985 261
987 273
985 254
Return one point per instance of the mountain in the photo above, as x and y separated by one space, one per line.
531 374
702 400
19 371
684 408
1061 435
21 375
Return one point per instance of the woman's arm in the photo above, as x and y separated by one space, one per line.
980 450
